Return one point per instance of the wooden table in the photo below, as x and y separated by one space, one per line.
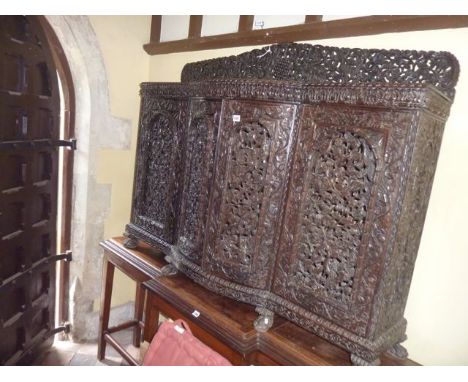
220 322
140 265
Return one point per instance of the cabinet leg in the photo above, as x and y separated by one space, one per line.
359 361
130 242
264 320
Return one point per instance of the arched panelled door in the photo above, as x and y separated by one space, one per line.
29 144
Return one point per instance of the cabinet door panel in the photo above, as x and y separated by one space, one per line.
159 167
339 211
252 158
199 159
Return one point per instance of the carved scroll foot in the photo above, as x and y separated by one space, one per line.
398 351
264 321
131 242
169 270
359 361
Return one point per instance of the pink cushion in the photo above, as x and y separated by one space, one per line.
175 345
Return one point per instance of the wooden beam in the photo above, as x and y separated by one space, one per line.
195 26
155 36
245 23
312 19
358 26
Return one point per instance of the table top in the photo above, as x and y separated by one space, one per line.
231 321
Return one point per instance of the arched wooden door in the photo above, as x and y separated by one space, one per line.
29 144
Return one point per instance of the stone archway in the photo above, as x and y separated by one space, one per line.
94 126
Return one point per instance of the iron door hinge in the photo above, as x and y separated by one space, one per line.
64 327
70 143
67 256
37 267
38 144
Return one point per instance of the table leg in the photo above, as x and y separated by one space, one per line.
106 294
139 305
151 317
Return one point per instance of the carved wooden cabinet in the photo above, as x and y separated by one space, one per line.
297 178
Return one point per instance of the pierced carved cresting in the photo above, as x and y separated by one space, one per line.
327 65
296 178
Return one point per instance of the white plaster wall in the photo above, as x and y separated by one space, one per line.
437 309
126 65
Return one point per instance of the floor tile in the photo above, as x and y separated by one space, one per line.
109 361
66 346
89 348
65 353
83 360
56 358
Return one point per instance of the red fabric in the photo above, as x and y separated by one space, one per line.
169 347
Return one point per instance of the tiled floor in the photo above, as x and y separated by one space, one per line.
66 353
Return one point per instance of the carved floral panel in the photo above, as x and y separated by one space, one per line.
396 281
343 185
246 202
199 159
338 186
159 166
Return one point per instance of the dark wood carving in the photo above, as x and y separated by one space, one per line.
158 179
336 172
326 65
199 161
248 189
296 178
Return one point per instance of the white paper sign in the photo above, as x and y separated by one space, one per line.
195 313
236 118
